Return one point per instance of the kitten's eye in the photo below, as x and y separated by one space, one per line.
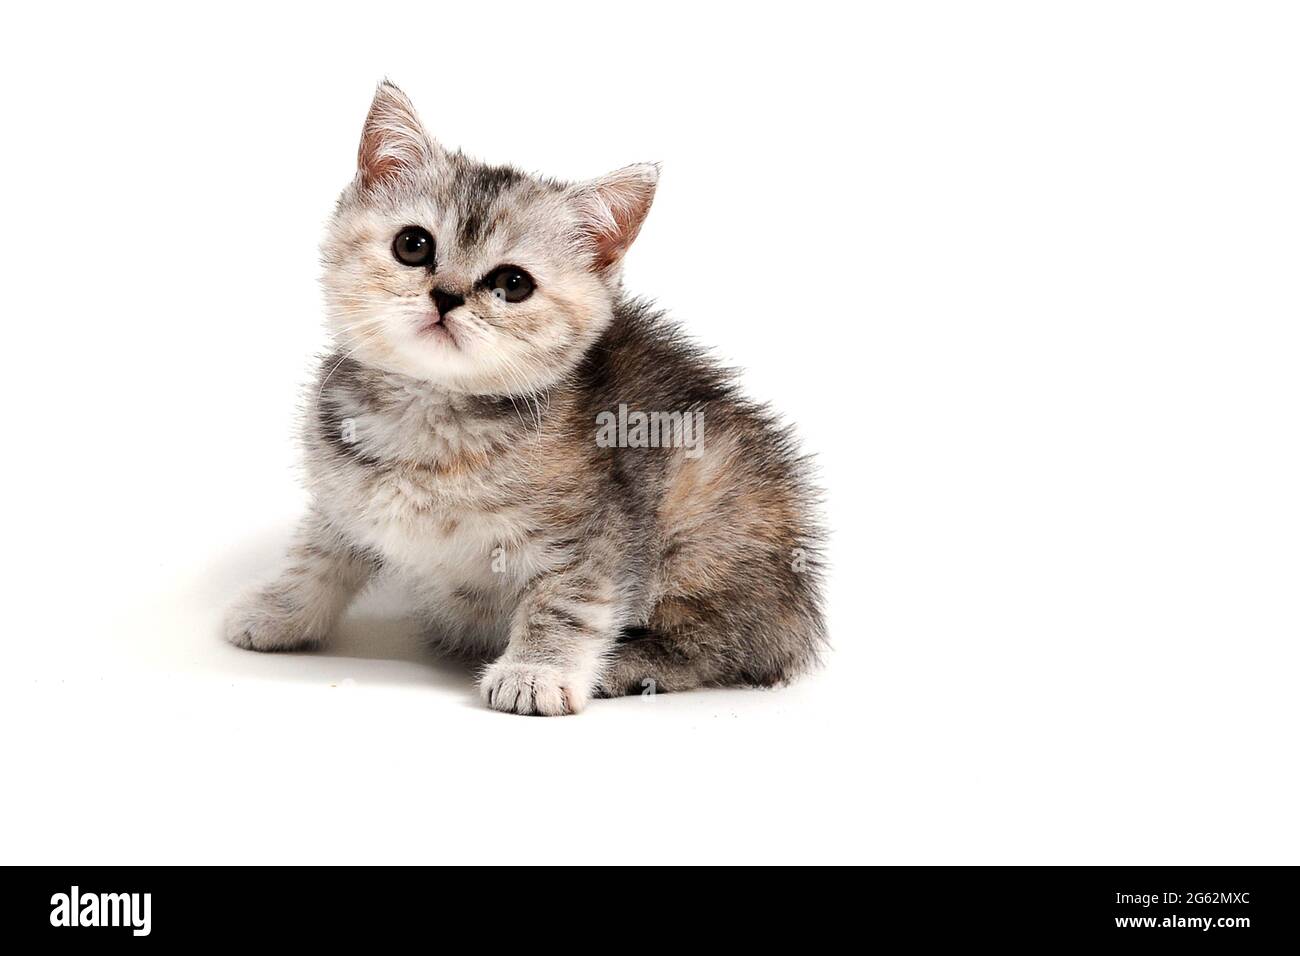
510 283
413 246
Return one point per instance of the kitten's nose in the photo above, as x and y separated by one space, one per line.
446 301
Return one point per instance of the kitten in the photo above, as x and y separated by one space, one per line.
570 491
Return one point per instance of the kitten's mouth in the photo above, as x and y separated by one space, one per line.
437 327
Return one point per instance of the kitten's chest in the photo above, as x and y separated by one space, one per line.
457 529
439 492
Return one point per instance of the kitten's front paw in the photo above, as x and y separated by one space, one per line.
266 622
517 687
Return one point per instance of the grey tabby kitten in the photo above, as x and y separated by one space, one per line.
572 493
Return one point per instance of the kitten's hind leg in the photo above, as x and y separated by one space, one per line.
646 662
298 609
690 644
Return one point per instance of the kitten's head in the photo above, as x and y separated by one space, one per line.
479 278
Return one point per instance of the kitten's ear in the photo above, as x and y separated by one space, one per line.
392 142
612 208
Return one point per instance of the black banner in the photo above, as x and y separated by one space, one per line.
1227 908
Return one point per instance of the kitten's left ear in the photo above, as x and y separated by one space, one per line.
393 142
612 209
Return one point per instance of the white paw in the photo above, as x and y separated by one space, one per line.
265 621
522 688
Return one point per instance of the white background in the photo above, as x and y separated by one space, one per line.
1023 275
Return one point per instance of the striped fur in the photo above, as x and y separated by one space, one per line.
468 467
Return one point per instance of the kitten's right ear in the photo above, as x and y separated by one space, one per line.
393 143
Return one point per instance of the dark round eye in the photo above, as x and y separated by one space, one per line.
510 283
413 246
